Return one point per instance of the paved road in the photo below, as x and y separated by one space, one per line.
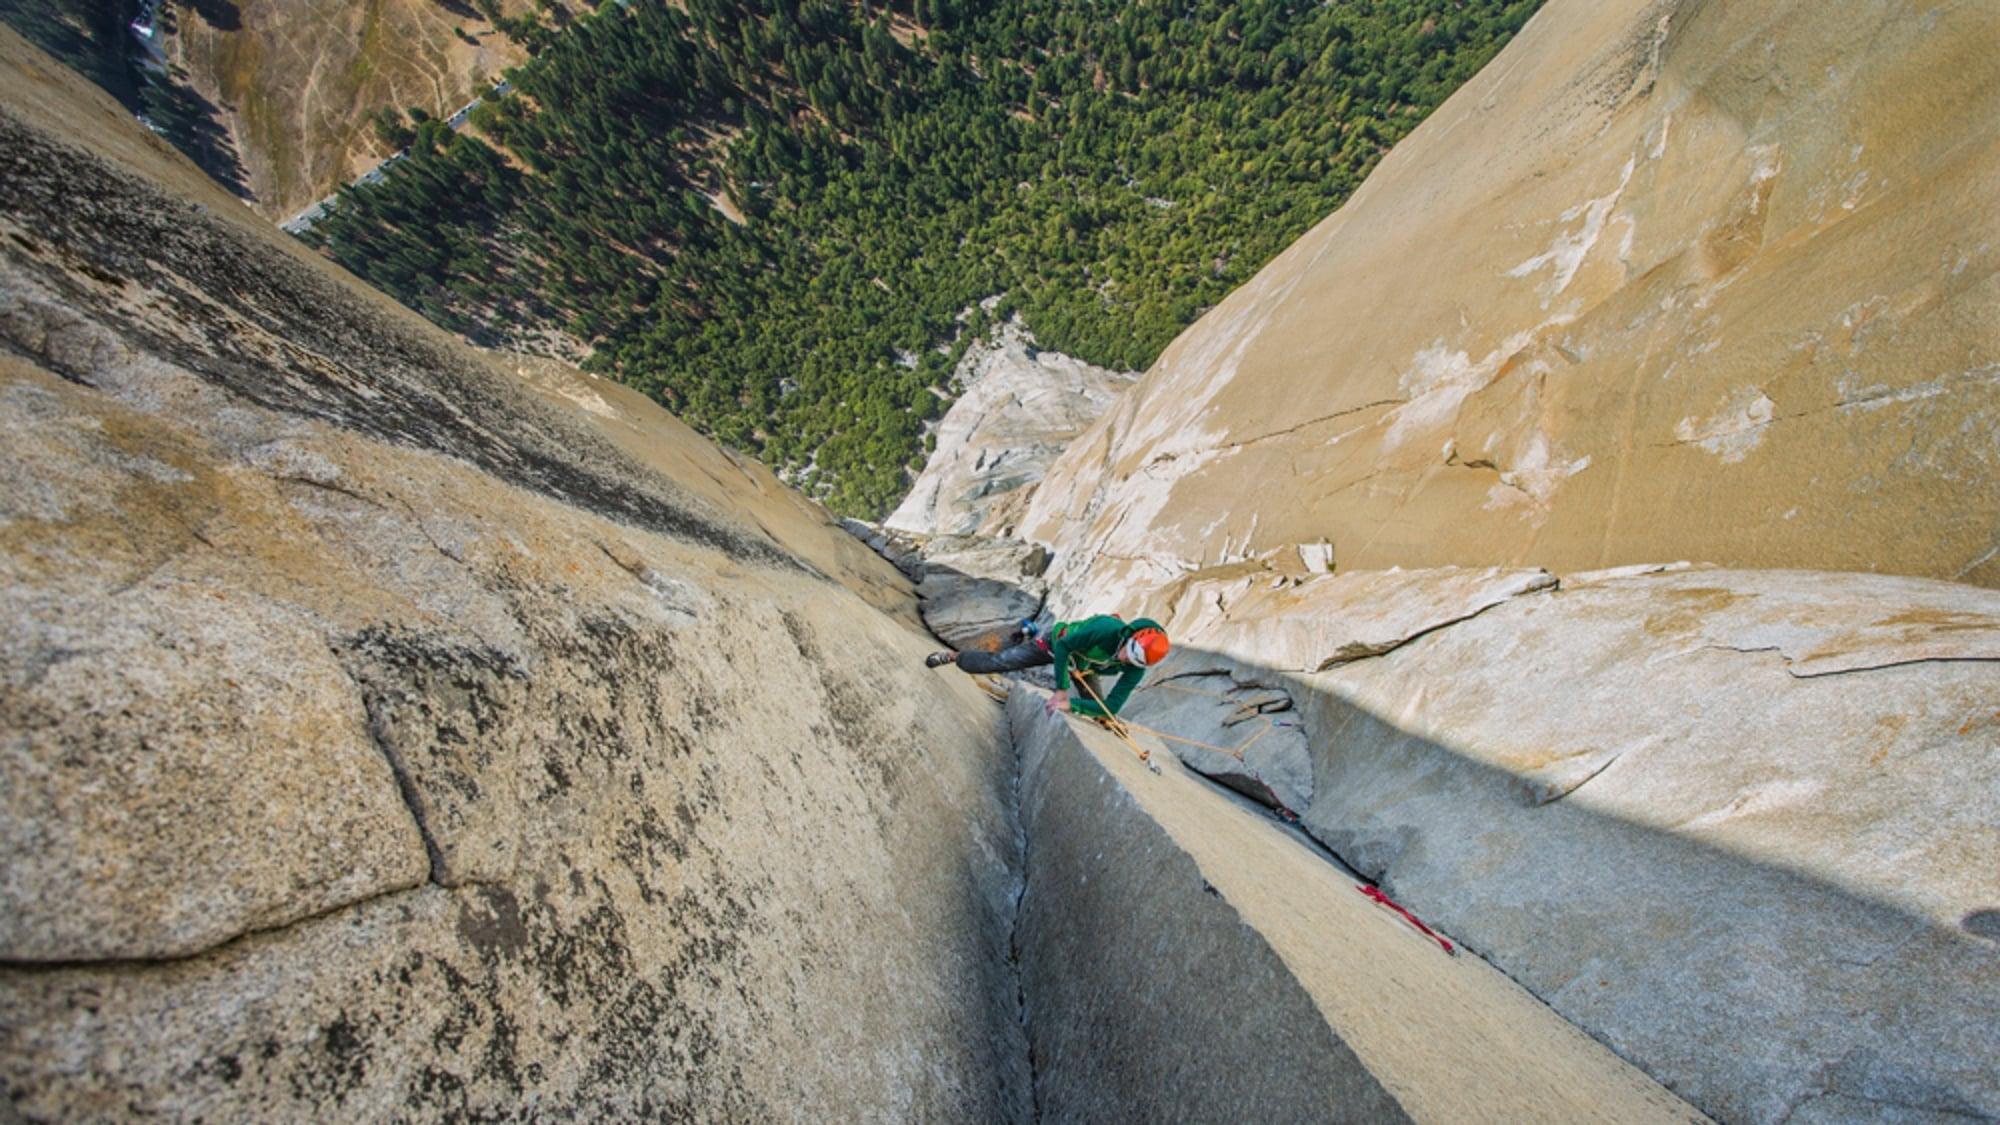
304 220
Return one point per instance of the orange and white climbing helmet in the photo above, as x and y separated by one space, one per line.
1144 648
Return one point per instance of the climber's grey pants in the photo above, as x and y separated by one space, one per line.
1013 658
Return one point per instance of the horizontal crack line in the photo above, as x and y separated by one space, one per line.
1876 667
1314 422
1337 660
114 964
1792 669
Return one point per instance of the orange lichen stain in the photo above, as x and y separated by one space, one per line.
1891 726
1696 602
1943 620
1710 597
1976 722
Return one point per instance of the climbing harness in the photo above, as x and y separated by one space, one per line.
1376 894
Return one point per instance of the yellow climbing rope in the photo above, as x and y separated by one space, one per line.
1121 727
1112 722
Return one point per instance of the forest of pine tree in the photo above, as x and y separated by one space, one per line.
1108 168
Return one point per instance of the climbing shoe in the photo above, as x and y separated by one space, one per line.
940 659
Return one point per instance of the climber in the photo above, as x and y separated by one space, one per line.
1077 648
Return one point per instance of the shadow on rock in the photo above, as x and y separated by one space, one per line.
1751 985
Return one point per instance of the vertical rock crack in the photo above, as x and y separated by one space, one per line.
1017 809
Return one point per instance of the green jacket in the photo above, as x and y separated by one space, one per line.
1090 646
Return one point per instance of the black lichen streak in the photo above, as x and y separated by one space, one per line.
282 335
856 704
437 712
599 711
490 922
336 1066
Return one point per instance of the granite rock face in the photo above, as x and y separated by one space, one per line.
1230 723
1187 958
388 731
1736 824
388 734
1632 799
1666 280
1278 621
1018 408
